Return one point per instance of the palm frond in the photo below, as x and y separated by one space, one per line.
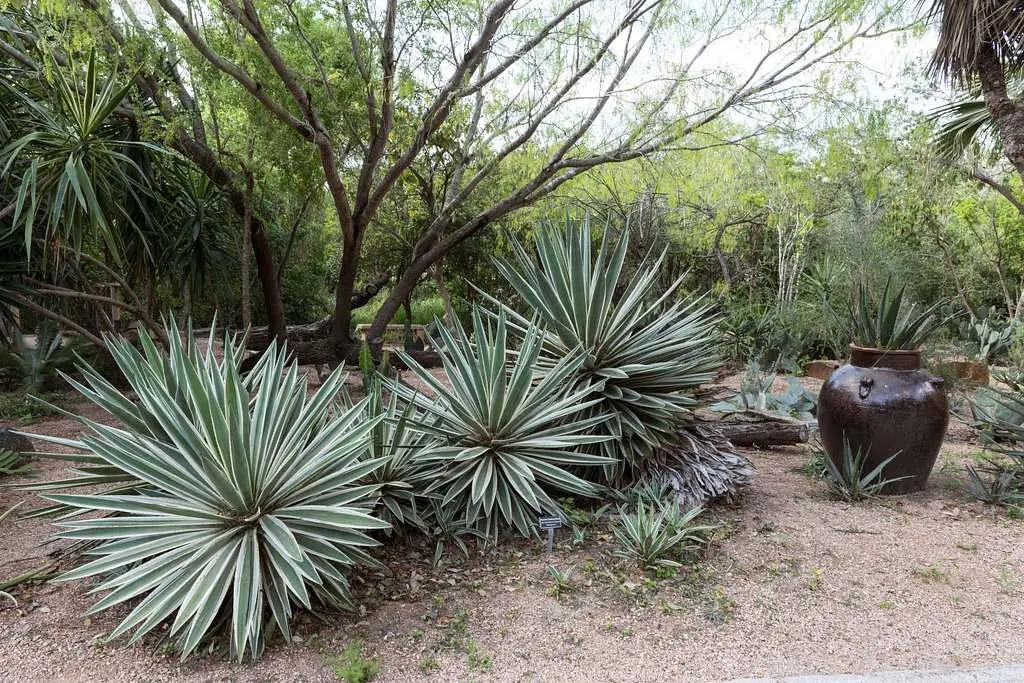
969 27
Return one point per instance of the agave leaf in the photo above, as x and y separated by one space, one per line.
232 494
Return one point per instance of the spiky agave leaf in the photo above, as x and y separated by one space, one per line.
502 439
895 323
653 535
234 498
643 350
397 442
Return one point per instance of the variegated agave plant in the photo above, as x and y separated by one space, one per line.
643 350
502 437
397 441
230 499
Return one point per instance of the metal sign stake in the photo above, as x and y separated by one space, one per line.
550 524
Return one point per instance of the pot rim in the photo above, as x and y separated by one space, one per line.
887 352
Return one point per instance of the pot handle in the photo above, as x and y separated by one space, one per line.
866 383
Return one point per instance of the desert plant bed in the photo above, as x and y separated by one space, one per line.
791 582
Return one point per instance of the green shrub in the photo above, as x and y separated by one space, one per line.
352 667
229 499
25 409
642 350
501 441
423 311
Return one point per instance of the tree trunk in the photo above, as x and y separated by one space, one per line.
1018 313
726 277
266 271
342 319
763 434
1005 111
407 332
442 291
186 295
246 248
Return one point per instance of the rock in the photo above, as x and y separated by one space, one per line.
968 371
821 369
16 443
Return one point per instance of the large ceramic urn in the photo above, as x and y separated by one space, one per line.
885 405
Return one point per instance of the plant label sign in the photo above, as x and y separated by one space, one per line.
550 524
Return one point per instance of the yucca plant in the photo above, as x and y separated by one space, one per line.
501 440
656 535
1000 419
1003 485
71 164
642 350
891 323
12 463
228 499
849 482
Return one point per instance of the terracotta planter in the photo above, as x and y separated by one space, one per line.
885 404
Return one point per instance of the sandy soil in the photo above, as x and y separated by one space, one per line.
796 583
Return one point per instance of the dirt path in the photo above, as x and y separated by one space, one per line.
797 584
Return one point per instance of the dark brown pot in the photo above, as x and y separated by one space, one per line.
885 405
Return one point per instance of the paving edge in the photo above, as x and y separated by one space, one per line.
993 674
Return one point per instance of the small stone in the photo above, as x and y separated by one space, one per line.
44 609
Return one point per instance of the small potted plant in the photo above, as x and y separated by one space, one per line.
882 402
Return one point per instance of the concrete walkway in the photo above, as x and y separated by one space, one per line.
994 674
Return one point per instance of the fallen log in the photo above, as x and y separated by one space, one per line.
757 428
764 434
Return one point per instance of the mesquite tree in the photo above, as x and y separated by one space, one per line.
527 96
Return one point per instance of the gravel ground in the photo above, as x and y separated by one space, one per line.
797 584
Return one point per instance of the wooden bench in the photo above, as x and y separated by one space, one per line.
394 335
